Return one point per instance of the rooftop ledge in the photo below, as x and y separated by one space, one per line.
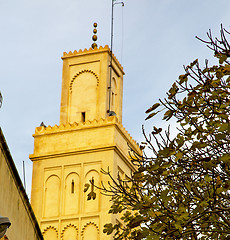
112 120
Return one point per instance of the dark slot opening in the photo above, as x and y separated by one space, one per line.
83 116
72 186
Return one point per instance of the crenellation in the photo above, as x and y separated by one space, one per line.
90 50
81 125
75 124
62 126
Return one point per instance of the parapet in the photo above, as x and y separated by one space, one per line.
90 51
112 120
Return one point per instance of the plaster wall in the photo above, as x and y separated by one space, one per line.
14 203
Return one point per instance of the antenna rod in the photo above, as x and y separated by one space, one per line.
24 178
0 99
111 51
111 57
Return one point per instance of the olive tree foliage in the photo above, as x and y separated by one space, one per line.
183 190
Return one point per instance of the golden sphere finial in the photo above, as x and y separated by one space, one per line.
94 45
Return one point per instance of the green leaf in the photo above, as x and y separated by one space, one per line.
194 63
151 115
168 115
187 185
222 57
179 155
172 91
154 106
204 204
183 78
207 178
178 226
224 127
219 190
135 222
108 228
225 158
154 167
220 136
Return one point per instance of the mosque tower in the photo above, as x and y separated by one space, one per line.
68 158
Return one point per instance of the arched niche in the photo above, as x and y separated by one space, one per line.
50 233
70 232
113 95
90 232
83 97
52 196
71 194
91 203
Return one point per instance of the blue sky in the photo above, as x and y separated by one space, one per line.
152 39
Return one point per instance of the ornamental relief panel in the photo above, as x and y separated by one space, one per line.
70 232
52 196
50 233
72 194
90 232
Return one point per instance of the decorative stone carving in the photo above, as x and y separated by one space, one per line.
90 232
81 72
50 233
70 232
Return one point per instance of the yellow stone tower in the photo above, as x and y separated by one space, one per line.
68 158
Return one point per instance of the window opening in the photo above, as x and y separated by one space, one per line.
113 96
83 116
72 186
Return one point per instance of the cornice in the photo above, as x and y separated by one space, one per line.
36 157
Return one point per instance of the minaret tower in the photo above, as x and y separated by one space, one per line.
68 158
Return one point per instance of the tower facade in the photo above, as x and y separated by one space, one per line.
68 158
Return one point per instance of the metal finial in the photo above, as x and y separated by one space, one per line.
94 45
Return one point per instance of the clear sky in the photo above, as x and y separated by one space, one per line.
153 39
